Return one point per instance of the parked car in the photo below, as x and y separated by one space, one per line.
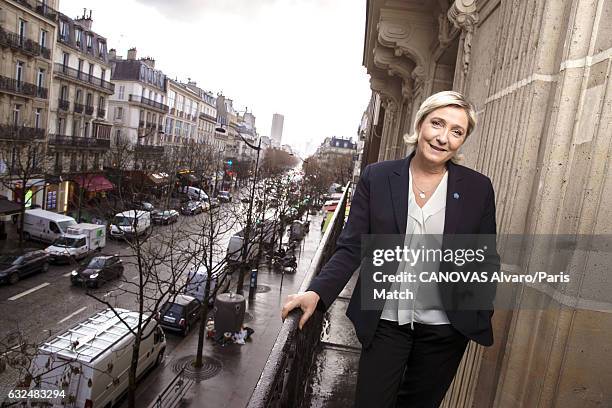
144 206
214 202
15 265
180 314
224 196
192 208
97 271
165 216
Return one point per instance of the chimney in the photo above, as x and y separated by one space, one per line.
85 20
150 62
112 54
131 55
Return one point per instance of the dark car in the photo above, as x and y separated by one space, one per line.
192 208
224 196
181 314
14 266
98 270
165 216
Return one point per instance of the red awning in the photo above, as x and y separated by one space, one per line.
94 183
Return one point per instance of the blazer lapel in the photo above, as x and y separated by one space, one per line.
454 199
398 183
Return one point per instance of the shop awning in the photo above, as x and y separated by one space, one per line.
9 207
94 183
159 178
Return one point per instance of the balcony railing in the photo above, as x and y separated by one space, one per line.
141 124
22 88
101 113
75 74
149 150
63 104
40 8
23 44
12 132
79 107
204 116
286 373
148 102
87 142
89 110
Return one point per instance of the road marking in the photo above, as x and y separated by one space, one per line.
27 292
72 315
120 286
67 274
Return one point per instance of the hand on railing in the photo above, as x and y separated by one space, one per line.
306 301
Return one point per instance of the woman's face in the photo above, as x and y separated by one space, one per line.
441 134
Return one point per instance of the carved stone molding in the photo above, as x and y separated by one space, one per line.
386 59
386 88
447 31
464 15
391 33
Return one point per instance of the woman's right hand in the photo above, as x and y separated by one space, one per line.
306 301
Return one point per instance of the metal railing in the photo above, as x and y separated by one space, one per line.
23 44
149 149
12 132
285 376
79 107
63 104
101 113
89 110
174 392
84 77
88 142
22 88
148 102
40 7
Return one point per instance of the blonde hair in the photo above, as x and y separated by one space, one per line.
437 101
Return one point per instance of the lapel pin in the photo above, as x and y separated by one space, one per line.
456 196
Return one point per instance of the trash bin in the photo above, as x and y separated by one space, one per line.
229 313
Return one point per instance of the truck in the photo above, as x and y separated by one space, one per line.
131 223
46 226
88 365
78 242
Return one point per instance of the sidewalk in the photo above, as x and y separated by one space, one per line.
240 366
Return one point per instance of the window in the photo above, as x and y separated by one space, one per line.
91 68
43 38
58 159
64 92
101 102
171 98
118 136
61 125
65 59
53 227
78 34
103 74
179 103
86 130
22 30
141 116
101 48
169 123
177 129
37 118
64 30
79 96
118 112
40 78
80 67
19 72
89 41
89 100
121 91
76 128
16 114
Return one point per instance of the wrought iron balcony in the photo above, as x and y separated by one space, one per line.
101 113
204 116
40 7
79 107
21 88
63 104
25 133
75 74
89 110
150 150
141 124
25 45
75 141
148 102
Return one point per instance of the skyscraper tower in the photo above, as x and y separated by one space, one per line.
276 133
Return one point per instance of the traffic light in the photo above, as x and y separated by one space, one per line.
229 163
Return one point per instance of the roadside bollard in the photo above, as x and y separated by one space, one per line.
253 284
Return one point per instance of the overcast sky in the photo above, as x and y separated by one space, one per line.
300 58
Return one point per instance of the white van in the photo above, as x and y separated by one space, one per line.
130 223
195 193
45 225
79 241
196 283
234 248
89 364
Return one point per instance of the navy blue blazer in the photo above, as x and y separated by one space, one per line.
380 206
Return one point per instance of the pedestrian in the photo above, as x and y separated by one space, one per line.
323 222
409 356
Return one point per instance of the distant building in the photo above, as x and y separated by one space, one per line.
276 132
334 146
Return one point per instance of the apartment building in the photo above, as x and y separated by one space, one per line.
207 119
27 30
182 120
138 108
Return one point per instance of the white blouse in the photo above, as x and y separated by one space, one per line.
426 306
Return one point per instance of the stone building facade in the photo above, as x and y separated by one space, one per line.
538 73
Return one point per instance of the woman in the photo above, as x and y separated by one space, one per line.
410 355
